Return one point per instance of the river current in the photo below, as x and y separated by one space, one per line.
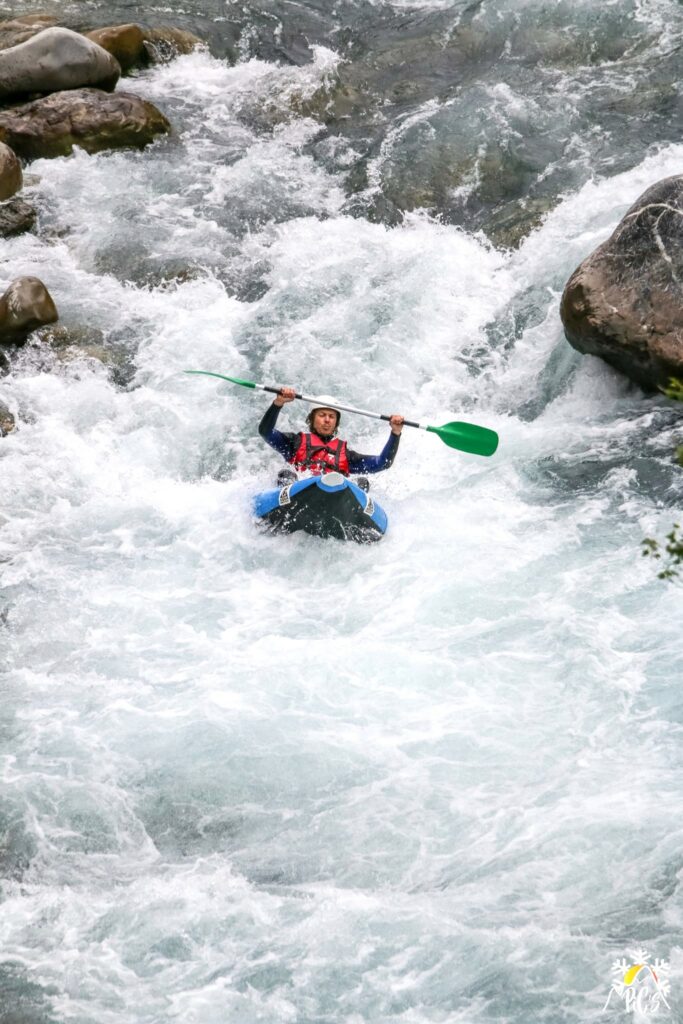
249 778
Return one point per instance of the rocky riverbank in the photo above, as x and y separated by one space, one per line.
58 90
396 88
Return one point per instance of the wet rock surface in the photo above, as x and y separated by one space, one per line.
624 303
11 175
89 118
16 217
125 47
375 207
162 44
508 228
67 343
136 46
126 43
63 336
24 27
54 59
474 118
25 305
469 116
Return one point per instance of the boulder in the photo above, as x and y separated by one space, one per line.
124 42
624 303
41 18
7 423
11 177
135 46
88 118
16 217
26 304
19 29
72 342
56 59
164 44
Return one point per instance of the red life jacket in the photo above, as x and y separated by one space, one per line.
320 456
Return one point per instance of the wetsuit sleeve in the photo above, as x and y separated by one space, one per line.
282 443
374 463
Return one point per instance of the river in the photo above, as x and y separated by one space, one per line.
249 778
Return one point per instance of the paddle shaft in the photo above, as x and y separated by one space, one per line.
312 400
466 437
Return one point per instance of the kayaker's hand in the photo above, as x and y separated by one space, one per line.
284 395
396 422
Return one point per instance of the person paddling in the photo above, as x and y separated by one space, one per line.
319 450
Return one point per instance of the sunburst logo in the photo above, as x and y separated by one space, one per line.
641 984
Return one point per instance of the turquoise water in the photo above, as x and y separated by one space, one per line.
248 778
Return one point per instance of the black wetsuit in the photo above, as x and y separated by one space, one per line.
288 444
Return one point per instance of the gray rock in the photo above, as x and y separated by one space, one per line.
56 59
61 337
23 27
88 118
16 217
11 177
624 303
72 342
25 305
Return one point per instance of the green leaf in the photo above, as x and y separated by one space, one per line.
674 389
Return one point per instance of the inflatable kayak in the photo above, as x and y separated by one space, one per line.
325 506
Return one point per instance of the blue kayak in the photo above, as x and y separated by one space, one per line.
325 506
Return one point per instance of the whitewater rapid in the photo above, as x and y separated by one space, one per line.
248 778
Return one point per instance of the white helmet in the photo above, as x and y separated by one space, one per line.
325 402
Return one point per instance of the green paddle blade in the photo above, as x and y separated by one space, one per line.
233 380
467 437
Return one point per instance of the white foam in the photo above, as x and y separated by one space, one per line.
265 778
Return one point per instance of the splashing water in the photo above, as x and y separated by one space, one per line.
249 778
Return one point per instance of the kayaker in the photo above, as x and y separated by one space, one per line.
319 450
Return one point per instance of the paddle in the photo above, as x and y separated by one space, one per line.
466 437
